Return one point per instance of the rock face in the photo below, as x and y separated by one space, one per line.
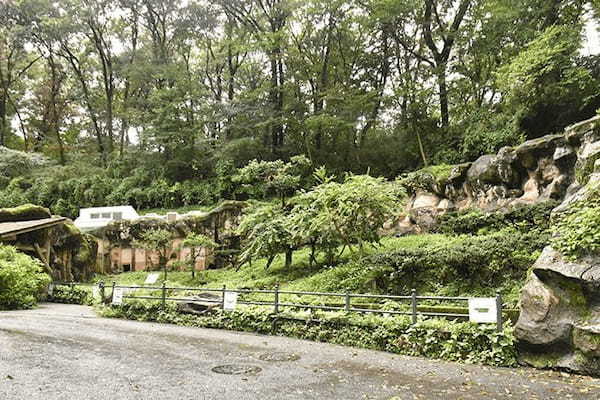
546 168
72 253
559 322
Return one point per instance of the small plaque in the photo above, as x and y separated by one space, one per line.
117 297
95 292
482 310
51 289
151 278
229 300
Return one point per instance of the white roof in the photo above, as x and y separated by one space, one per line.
98 217
124 209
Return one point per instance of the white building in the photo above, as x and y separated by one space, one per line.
98 217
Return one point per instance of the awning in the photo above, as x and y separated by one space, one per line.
9 230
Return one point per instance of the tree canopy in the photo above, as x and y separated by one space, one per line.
165 94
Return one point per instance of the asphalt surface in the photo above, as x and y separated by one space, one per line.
66 352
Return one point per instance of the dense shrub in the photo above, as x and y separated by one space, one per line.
522 217
471 261
71 295
21 279
432 338
577 231
431 179
14 163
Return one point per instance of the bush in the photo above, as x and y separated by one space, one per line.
431 338
577 232
21 279
522 217
14 163
71 295
470 261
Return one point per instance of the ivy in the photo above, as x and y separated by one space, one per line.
71 295
523 217
577 231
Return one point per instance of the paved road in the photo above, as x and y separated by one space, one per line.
66 352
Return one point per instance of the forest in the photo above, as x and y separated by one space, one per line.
165 103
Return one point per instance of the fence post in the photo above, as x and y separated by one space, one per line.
276 302
347 303
112 294
223 297
101 288
164 294
413 299
499 321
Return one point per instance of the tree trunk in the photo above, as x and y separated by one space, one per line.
443 89
274 103
3 123
289 253
269 261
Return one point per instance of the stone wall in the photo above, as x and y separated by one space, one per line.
117 253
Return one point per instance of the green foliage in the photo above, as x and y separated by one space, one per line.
486 131
71 295
261 179
21 279
159 240
431 179
266 232
431 338
198 240
467 264
577 231
544 80
330 215
155 239
349 213
523 217
16 163
23 212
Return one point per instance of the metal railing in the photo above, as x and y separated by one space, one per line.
345 304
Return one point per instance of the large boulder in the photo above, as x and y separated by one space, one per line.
559 322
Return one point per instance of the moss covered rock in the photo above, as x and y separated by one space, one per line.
25 212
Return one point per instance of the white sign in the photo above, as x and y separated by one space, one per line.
95 292
229 300
51 289
151 278
482 310
117 297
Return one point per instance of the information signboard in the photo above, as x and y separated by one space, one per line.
230 300
117 297
482 310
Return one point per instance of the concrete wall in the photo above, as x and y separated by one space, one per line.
120 259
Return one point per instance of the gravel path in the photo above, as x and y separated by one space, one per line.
66 352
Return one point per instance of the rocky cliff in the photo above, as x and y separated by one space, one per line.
540 169
559 323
